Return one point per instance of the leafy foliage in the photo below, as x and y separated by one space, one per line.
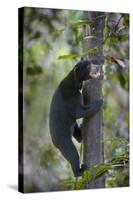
80 23
116 164
89 176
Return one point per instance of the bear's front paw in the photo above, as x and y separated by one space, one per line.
98 103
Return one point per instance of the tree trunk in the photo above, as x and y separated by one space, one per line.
92 90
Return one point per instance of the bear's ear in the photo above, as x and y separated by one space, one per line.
77 70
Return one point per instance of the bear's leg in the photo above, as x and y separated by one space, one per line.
69 151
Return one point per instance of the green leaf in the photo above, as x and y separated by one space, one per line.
79 185
126 19
123 38
68 56
102 170
106 32
119 160
68 182
121 77
95 172
58 31
80 23
87 176
115 39
92 51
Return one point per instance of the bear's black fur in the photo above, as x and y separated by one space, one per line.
66 107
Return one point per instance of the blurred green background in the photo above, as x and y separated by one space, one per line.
52 46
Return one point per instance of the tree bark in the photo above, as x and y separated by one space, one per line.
92 90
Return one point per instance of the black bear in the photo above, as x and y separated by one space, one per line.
66 107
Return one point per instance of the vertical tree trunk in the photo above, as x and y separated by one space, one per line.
92 90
